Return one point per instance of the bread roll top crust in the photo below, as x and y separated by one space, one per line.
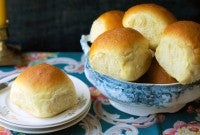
153 9
119 40
157 75
188 31
106 21
42 78
150 20
112 19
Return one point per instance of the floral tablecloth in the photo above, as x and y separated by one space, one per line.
102 117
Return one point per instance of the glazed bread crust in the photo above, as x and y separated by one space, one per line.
121 53
156 75
150 20
179 51
106 21
43 91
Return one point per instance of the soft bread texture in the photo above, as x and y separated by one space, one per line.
106 21
157 75
179 51
43 91
150 20
121 53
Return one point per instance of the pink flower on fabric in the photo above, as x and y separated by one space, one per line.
183 128
4 131
96 94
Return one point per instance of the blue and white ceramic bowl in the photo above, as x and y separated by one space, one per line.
142 99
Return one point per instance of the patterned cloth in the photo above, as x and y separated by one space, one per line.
102 117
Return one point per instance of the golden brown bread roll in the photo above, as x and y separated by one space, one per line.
156 75
106 21
150 20
121 53
43 91
179 51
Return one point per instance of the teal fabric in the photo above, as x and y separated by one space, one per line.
111 118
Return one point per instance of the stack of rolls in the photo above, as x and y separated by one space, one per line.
151 47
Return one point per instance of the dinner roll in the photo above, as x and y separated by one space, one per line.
106 21
156 74
43 91
179 51
121 53
150 20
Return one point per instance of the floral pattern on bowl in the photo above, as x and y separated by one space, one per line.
159 95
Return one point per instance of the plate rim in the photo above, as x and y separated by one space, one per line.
45 130
86 94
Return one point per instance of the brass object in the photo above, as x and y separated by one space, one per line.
9 55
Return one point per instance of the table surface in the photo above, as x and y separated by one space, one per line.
102 117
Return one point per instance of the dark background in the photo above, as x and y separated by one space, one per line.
57 25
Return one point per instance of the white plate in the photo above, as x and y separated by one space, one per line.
12 115
45 130
27 127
